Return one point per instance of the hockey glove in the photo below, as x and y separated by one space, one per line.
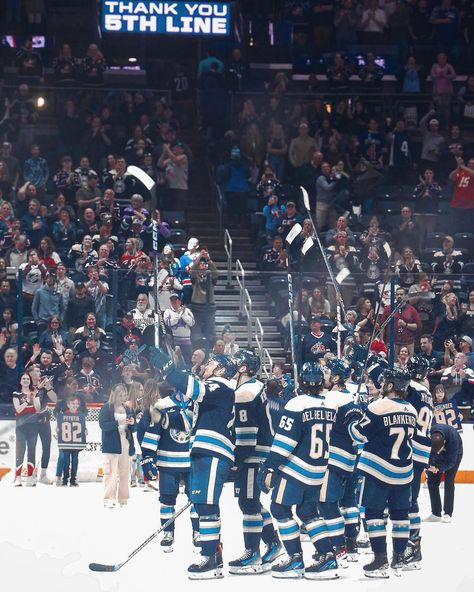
149 468
161 360
265 478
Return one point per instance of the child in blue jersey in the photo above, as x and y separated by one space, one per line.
71 432
386 430
295 470
445 411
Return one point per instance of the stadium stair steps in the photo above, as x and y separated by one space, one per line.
202 222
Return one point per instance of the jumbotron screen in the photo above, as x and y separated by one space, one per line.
172 18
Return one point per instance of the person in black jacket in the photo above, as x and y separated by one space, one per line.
445 457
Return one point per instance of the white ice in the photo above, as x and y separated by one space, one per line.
49 535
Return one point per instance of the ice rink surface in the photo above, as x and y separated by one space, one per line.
49 535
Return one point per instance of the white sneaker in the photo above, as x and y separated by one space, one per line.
109 505
17 482
446 518
432 518
43 479
31 481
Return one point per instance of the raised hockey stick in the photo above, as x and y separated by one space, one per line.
107 568
335 283
292 333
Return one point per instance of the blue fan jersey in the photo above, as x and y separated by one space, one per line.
300 448
447 412
253 435
386 430
71 431
420 397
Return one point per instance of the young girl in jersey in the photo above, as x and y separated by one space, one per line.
446 411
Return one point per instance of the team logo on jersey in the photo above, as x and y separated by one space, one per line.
179 436
318 348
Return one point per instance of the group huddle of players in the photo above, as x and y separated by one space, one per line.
336 453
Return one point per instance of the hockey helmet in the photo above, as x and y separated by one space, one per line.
418 367
338 367
399 377
247 358
227 362
311 374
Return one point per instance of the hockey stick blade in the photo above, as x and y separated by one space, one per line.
305 198
104 567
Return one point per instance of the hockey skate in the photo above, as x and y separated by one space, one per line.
378 567
249 563
207 568
293 567
341 557
412 557
363 542
167 542
352 551
324 568
397 563
272 552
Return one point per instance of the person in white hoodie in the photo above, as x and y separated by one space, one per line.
179 319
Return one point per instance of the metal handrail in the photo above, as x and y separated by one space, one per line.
219 202
248 313
228 250
266 356
241 283
259 333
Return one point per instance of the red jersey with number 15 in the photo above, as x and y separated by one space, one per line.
463 195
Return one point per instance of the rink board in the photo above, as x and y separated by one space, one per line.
90 459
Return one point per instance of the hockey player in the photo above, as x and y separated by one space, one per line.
420 397
212 448
338 502
166 441
253 439
295 470
386 430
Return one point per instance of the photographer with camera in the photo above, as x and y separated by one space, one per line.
203 272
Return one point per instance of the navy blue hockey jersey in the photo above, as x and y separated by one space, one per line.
386 430
420 397
213 414
447 412
253 436
300 449
342 452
